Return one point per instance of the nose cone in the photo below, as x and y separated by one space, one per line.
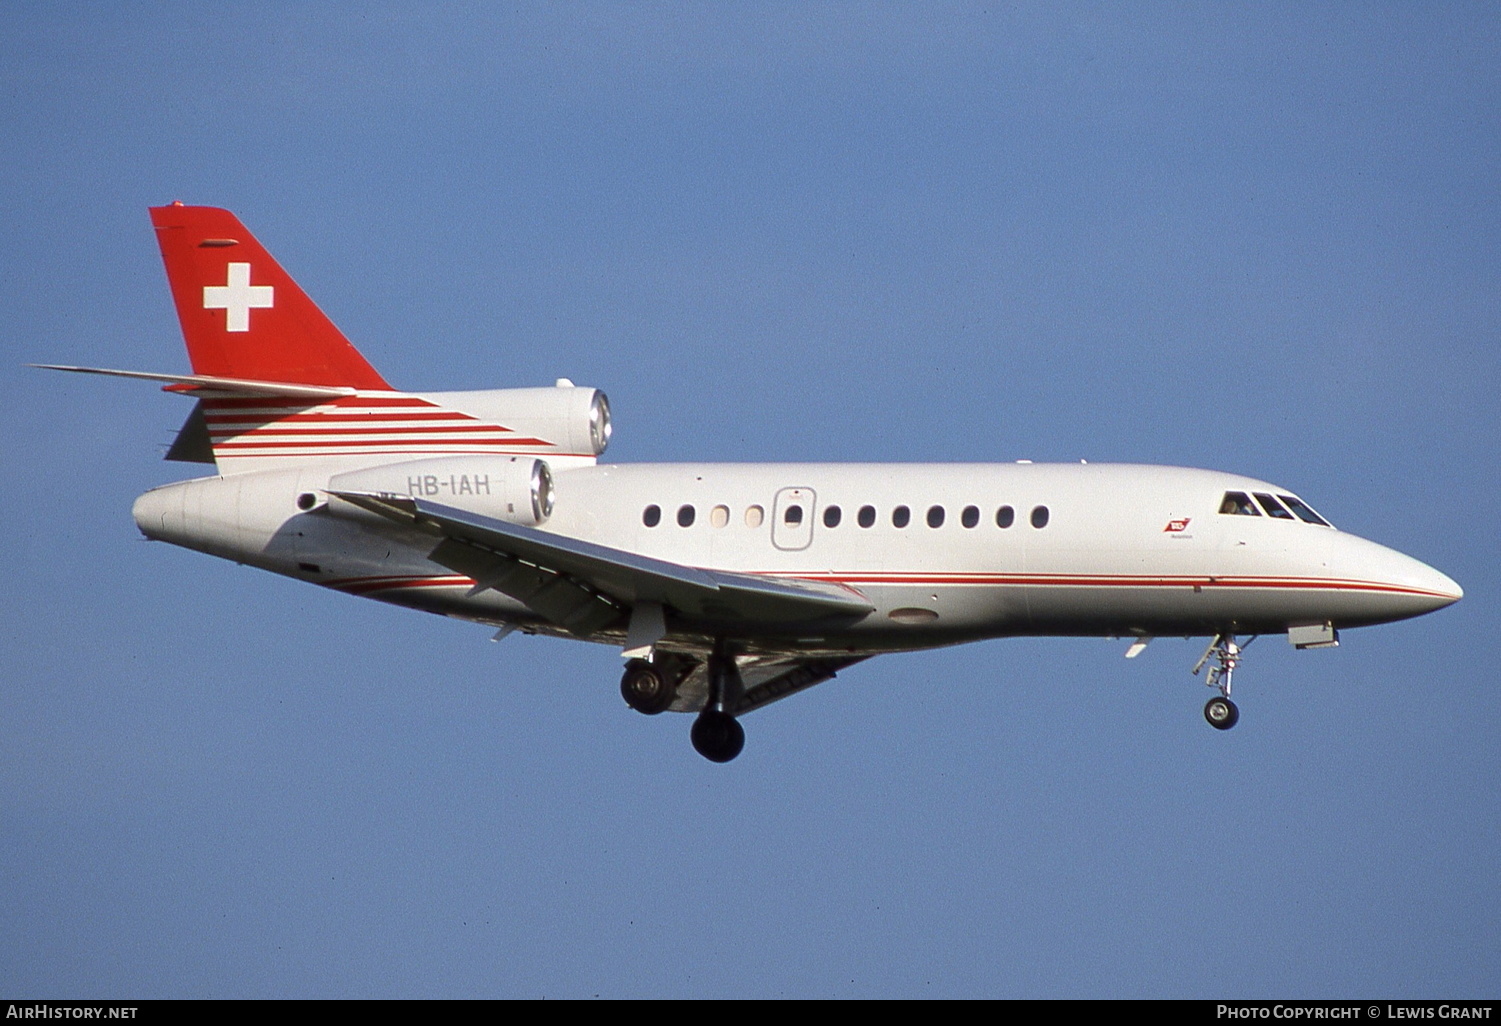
1443 586
1430 589
1393 586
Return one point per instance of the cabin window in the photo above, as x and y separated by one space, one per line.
866 517
1273 507
1039 516
719 516
970 517
901 516
792 516
651 516
1005 517
831 516
685 516
1304 511
935 516
1239 504
754 515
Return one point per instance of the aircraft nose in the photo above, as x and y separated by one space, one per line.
1442 586
1428 587
1402 586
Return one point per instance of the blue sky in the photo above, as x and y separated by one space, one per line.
1262 240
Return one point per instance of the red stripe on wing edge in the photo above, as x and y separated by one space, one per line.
369 585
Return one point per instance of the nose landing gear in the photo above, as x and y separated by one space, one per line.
1221 713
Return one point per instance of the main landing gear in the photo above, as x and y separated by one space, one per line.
646 688
651 688
717 735
1221 713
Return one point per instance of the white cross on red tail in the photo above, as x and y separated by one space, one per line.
238 298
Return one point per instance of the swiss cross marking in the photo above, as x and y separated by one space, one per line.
238 298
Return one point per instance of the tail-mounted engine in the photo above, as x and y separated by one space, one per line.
516 489
562 421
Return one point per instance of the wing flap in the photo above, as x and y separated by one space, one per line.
562 600
623 577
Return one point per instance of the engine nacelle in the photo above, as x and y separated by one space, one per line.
574 421
516 489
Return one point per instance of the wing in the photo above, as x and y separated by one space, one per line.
583 586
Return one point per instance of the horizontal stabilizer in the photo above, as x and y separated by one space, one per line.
197 384
625 577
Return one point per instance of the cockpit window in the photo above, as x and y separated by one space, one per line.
1273 507
1305 513
1239 504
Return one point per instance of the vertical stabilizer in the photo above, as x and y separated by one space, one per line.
243 316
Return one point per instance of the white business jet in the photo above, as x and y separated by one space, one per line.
726 586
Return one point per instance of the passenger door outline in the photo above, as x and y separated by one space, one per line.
793 537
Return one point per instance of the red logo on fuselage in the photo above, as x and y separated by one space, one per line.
1174 526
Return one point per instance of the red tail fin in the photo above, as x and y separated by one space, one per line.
242 315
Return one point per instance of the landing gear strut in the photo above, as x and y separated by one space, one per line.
717 735
1221 713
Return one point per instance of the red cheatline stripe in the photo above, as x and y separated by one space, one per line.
332 418
397 442
1062 580
308 432
365 585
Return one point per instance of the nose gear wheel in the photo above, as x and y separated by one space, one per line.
1221 713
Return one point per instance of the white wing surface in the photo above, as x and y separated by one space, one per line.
528 564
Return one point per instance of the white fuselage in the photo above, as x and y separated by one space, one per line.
1125 550
726 586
